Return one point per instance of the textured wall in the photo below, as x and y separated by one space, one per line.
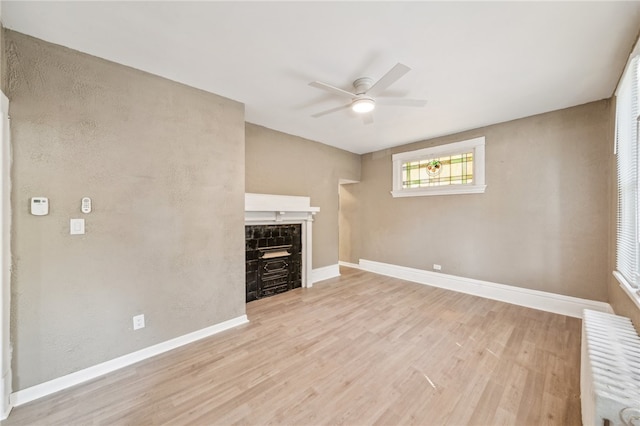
164 165
622 303
542 224
348 206
3 62
278 163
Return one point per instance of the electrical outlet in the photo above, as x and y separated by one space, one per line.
436 267
138 322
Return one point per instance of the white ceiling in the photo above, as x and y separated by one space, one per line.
476 63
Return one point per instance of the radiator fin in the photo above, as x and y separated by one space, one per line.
610 370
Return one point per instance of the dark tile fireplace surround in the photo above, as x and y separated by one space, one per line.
273 256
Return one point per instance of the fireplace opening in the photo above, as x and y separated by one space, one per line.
273 256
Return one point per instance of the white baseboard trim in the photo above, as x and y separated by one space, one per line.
43 389
324 273
541 300
349 265
6 405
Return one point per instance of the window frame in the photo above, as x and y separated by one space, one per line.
476 145
627 141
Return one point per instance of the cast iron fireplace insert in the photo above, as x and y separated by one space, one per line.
273 259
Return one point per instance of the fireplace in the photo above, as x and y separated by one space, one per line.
278 236
274 275
273 256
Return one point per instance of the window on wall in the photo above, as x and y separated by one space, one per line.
456 168
626 149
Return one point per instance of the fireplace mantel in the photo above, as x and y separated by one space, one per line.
266 209
277 208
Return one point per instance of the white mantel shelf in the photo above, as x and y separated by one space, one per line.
260 207
266 209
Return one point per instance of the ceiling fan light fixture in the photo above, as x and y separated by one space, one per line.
363 105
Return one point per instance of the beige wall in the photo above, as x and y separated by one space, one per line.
3 62
164 166
347 208
278 163
542 224
622 303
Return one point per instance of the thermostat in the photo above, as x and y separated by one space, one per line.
39 206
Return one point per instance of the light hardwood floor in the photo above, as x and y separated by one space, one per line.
360 349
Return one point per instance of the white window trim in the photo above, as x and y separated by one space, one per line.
477 187
628 248
628 288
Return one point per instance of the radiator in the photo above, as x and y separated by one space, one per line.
609 370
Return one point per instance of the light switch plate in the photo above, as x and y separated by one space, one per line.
76 226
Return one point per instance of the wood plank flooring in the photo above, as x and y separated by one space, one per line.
361 349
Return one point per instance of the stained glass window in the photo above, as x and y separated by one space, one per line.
447 170
450 169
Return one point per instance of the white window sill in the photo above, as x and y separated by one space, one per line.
631 292
440 190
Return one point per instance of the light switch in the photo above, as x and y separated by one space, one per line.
76 226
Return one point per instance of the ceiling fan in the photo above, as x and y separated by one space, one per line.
364 98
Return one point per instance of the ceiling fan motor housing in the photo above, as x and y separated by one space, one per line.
362 85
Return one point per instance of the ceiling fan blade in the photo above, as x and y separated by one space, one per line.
388 79
329 111
367 118
329 88
401 102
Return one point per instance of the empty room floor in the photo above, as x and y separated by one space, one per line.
359 349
